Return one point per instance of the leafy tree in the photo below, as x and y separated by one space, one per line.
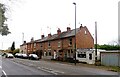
13 46
3 27
16 51
108 47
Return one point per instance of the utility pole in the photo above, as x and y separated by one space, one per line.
95 42
22 37
2 45
75 32
119 32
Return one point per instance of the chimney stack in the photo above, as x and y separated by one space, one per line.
32 39
49 35
68 29
81 26
42 36
24 42
58 31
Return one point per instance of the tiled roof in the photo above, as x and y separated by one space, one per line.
69 33
56 36
62 35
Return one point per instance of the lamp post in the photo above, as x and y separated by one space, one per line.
95 42
75 31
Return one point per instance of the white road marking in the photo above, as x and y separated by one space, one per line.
4 73
0 66
47 71
56 72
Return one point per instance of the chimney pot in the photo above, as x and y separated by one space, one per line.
58 31
32 39
68 28
42 36
81 26
49 35
24 42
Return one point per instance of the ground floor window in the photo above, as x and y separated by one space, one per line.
71 51
90 56
45 54
49 53
81 55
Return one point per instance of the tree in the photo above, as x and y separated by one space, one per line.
4 30
16 51
108 47
13 46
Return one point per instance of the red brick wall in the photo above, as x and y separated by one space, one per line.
84 40
29 48
37 46
66 43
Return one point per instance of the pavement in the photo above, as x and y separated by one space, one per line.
58 68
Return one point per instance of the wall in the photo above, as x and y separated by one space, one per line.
84 38
86 59
110 58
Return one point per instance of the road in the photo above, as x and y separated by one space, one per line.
30 67
63 69
11 68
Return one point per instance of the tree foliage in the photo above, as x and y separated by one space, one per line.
13 46
108 47
16 51
4 30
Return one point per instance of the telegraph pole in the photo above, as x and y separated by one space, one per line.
95 42
22 37
75 31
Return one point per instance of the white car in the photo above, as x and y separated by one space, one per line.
18 55
9 55
33 57
24 56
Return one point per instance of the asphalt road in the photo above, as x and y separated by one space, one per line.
63 69
11 68
31 68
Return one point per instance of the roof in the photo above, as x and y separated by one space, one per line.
111 51
64 34
56 36
69 33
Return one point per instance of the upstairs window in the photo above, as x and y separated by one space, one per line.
59 43
85 32
31 46
34 45
48 43
40 44
70 41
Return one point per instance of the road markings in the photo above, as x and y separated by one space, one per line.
4 73
64 64
55 72
46 70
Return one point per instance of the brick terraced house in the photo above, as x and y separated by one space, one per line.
62 44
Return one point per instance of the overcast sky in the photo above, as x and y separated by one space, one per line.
32 17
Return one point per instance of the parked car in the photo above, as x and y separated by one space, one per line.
24 56
33 57
3 54
18 55
9 55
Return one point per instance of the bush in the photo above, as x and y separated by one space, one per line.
16 51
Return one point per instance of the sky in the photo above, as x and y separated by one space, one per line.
36 17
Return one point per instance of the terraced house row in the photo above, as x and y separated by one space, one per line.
60 45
